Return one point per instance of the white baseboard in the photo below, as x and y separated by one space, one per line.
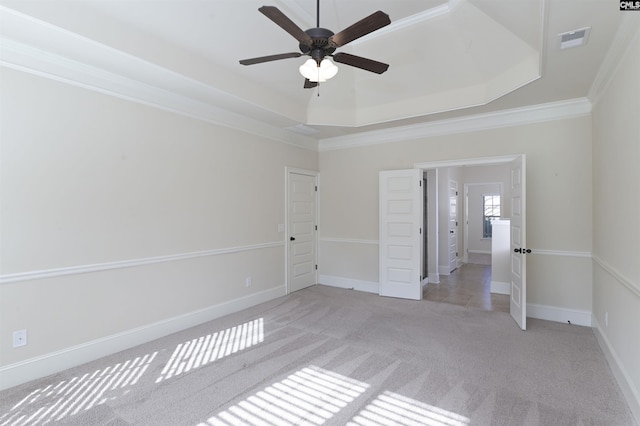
500 287
553 313
349 283
630 392
44 365
444 270
480 251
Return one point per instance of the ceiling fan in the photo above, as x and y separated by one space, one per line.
318 43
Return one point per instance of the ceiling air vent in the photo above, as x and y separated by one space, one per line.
574 38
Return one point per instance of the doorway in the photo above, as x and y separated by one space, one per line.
514 186
401 226
301 228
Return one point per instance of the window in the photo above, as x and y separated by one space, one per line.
491 210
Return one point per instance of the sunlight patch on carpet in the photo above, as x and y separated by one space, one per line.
390 408
206 349
53 403
309 396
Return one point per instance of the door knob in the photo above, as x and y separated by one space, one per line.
517 250
292 238
451 231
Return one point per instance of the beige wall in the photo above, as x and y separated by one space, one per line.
89 179
616 213
558 155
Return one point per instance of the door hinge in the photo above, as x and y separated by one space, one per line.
420 182
316 188
420 230
456 254
456 223
316 267
456 192
316 227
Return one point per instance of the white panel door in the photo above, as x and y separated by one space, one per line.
453 225
518 303
302 231
400 233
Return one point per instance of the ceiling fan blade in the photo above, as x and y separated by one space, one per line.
361 28
286 24
308 84
269 58
360 62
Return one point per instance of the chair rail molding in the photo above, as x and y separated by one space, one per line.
97 267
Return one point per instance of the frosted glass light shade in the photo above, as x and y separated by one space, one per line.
315 73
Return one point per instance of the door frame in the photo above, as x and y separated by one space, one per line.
453 185
287 256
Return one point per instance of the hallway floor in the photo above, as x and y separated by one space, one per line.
467 286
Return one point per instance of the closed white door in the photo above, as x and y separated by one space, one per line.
518 303
301 250
401 233
453 225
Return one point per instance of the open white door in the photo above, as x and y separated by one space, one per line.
401 233
518 303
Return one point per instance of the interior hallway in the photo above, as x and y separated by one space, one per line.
467 286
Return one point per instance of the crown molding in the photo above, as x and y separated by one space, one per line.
628 30
416 19
506 118
37 47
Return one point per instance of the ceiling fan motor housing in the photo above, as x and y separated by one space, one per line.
320 46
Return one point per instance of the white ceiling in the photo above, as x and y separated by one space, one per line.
447 58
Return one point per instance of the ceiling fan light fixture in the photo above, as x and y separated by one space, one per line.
314 73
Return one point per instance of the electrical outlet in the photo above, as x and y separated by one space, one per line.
19 338
247 282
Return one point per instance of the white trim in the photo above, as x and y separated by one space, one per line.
444 269
633 287
630 392
628 30
28 44
97 267
493 120
416 19
568 253
434 277
460 162
349 283
557 314
481 251
44 365
500 287
349 241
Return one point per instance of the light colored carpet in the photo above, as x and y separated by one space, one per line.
339 357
